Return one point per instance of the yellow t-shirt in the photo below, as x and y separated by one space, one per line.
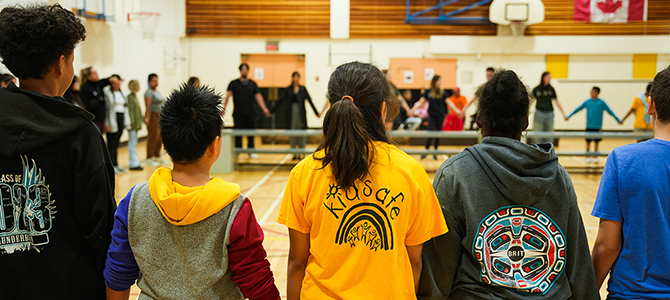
640 112
358 237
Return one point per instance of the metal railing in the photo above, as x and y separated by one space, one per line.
227 162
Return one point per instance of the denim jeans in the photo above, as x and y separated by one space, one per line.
544 121
132 149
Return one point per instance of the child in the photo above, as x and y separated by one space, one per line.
632 245
136 121
358 210
594 118
57 180
190 235
515 230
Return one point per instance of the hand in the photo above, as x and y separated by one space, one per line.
319 115
146 121
107 128
267 113
460 114
566 119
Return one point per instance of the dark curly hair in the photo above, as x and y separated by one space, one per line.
190 120
504 105
33 38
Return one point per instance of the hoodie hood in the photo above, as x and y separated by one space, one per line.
522 173
182 205
30 120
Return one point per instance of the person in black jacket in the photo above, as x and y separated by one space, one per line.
92 96
56 179
294 97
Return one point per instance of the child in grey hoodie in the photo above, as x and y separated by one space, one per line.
515 227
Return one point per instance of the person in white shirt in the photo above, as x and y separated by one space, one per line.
117 118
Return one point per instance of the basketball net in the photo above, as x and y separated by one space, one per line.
148 23
518 28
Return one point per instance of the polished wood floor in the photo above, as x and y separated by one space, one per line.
263 181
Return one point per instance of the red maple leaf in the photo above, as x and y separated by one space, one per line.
610 6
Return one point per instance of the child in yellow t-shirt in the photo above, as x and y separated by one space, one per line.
359 209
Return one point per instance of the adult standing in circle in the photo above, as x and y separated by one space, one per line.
153 101
5 79
295 95
545 96
515 229
72 93
136 120
194 81
93 97
117 119
437 109
244 92
375 253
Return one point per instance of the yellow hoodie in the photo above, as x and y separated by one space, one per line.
182 205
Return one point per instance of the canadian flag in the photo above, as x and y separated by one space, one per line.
610 11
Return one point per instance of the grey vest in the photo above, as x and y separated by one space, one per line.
181 262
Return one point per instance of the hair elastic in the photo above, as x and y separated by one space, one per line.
347 97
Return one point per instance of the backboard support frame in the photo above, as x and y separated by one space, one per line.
445 18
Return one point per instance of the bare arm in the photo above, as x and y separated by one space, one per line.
325 107
607 248
225 101
114 295
404 105
147 113
261 104
631 111
415 260
298 254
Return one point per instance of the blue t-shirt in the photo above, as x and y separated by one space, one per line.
594 113
635 190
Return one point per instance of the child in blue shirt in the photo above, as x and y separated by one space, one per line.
594 119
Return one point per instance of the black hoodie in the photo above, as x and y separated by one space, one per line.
57 193
515 230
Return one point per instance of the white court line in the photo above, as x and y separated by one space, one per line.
271 209
267 176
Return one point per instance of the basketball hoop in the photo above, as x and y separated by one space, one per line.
148 22
518 28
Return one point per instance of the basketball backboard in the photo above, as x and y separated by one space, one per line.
504 12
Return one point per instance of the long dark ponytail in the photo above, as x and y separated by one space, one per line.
353 122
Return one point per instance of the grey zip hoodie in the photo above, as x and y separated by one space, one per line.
515 230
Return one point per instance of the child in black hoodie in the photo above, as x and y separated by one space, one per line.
56 179
515 227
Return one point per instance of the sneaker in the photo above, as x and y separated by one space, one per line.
138 168
423 157
152 162
435 157
595 160
588 159
162 161
118 171
253 155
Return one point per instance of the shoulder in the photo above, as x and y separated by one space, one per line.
399 157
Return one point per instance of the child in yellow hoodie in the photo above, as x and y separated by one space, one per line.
184 234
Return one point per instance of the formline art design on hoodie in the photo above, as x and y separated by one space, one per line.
27 209
521 248
365 223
